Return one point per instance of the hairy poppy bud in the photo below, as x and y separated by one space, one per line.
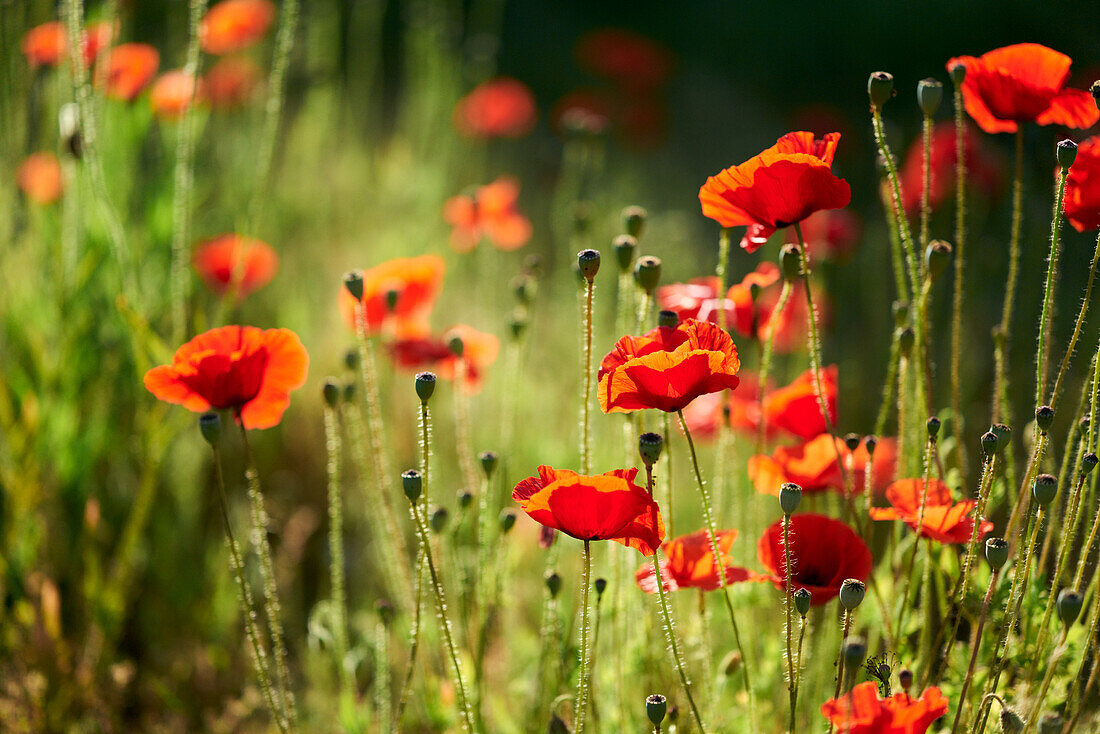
412 484
439 519
802 599
933 426
855 649
391 299
900 310
852 441
905 679
996 552
384 607
349 392
589 263
634 220
353 281
870 443
667 319
1046 486
553 583
647 273
488 461
656 706
880 88
936 257
624 246
1044 417
507 520
425 385
210 426
1088 463
1011 723
929 95
351 359
330 391
557 726
1066 153
649 446
1069 606
958 73
731 663
789 496
989 443
852 592
600 586
906 339
465 498
790 262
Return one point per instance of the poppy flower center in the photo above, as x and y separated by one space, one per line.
228 380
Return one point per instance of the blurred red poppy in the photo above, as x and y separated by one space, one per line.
416 281
824 553
608 506
777 188
1082 201
46 44
127 69
479 350
624 57
696 299
230 261
741 407
233 25
240 368
829 235
983 169
944 521
39 178
1023 83
861 711
795 409
498 108
813 466
489 213
231 82
689 564
667 368
173 92
754 301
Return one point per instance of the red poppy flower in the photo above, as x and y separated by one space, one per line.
479 350
795 409
231 82
824 553
489 213
689 564
416 280
983 168
230 261
624 57
777 188
608 506
233 25
1082 200
45 45
1023 83
240 368
667 368
862 712
741 407
97 37
697 299
127 69
813 466
829 235
755 300
499 108
173 92
945 521
39 177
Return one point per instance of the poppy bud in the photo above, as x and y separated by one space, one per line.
1046 486
210 426
1069 606
880 88
384 607
1011 723
905 679
936 257
647 273
353 281
1004 434
731 663
557 726
412 484
870 443
1066 153
456 346
901 313
667 319
391 299
656 706
589 263
929 95
855 649
649 446
624 246
488 463
996 552
465 498
600 586
789 496
507 520
349 392
933 426
331 392
438 519
989 443
790 262
1088 463
351 359
517 325
802 599
852 441
958 73
1044 417
553 583
634 220
906 339
425 385
851 593
1051 724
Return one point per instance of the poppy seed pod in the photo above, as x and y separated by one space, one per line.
656 706
330 391
1044 417
488 461
589 263
1004 434
906 338
958 73
649 446
852 592
353 281
996 552
439 519
624 246
1046 486
790 262
929 95
667 319
790 495
553 583
802 599
673 714
351 359
647 273
852 441
634 220
391 299
936 257
210 426
1088 463
412 484
855 649
425 385
349 392
1011 723
1069 606
517 325
905 679
989 443
1066 153
507 521
870 443
465 498
600 586
933 426
384 607
880 88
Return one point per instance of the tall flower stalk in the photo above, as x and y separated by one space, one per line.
331 394
958 422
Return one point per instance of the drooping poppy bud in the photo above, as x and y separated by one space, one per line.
1011 722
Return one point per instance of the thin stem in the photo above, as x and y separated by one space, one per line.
798 661
463 433
336 551
723 276
959 422
382 676
581 706
787 600
840 657
766 363
974 653
1052 665
889 385
931 447
1073 702
1042 355
666 455
414 641
1077 325
897 256
926 181
586 421
1000 339
911 258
